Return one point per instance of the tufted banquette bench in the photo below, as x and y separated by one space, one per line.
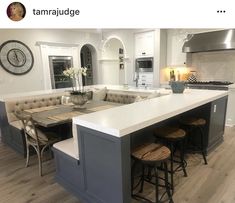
32 103
11 128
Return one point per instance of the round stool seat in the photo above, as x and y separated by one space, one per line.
172 133
193 121
196 123
151 152
151 155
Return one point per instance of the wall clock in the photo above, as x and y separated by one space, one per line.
16 57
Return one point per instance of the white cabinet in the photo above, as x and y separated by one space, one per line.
144 44
145 79
175 41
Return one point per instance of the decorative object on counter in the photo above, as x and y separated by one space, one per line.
172 75
192 76
78 95
178 75
177 86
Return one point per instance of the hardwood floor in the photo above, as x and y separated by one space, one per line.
212 183
23 185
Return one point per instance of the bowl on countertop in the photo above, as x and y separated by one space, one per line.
177 86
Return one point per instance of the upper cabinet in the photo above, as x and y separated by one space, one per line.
175 41
144 44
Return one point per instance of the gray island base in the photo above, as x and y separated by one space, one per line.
103 172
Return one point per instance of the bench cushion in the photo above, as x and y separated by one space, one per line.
75 140
67 147
17 124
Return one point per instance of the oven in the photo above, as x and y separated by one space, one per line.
144 64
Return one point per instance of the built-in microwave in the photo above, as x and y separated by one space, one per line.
144 64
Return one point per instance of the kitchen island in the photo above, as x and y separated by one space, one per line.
102 172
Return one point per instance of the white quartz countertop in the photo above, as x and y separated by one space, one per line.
123 120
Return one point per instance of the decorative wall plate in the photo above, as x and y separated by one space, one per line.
16 57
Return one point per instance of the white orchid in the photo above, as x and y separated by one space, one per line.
74 74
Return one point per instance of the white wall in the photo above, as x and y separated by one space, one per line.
34 80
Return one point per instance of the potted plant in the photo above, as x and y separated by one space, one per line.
78 95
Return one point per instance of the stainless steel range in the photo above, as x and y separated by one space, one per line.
210 85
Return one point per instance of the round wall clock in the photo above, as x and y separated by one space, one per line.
16 57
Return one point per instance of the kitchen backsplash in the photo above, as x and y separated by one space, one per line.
214 65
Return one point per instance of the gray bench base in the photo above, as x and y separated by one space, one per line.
68 174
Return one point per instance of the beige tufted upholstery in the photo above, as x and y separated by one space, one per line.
29 103
120 98
51 100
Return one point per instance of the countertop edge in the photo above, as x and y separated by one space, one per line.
122 132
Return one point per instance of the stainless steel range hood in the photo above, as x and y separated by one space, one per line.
210 41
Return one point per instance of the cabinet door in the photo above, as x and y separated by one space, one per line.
144 44
217 120
175 56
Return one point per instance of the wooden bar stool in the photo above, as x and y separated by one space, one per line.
151 155
196 123
173 136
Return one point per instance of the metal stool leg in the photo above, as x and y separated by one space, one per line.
142 179
182 157
202 145
132 177
167 182
27 155
172 169
156 184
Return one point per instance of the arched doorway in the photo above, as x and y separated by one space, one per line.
89 60
113 65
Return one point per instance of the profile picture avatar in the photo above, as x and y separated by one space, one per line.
16 11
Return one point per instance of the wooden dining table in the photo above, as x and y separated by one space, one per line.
60 114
